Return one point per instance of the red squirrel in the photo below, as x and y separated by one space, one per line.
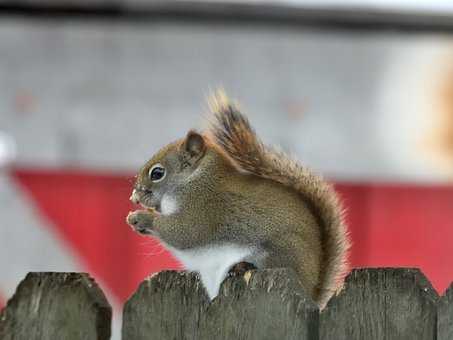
222 197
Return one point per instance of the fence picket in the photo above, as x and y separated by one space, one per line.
268 304
384 303
445 316
49 306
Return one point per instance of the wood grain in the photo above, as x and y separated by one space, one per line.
445 316
268 304
382 304
49 306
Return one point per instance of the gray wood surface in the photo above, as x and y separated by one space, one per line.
382 304
272 305
445 316
165 306
267 304
50 306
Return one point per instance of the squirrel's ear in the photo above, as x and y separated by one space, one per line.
194 144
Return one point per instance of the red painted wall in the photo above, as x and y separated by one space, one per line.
390 225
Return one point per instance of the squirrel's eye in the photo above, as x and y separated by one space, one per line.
157 173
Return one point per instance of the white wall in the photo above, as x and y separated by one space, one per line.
109 94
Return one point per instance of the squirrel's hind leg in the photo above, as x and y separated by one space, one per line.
239 269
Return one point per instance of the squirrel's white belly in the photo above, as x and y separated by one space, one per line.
212 263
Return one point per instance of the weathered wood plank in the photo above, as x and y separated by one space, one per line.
445 316
267 304
49 306
165 306
382 304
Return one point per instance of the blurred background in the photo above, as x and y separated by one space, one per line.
360 91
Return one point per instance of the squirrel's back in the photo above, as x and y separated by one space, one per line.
233 135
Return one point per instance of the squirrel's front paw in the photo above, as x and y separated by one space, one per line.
141 221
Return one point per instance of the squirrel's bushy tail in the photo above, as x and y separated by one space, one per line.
232 132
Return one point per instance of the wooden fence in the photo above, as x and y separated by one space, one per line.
270 304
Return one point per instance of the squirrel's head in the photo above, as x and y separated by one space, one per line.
167 170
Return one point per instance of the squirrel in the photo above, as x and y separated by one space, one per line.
222 198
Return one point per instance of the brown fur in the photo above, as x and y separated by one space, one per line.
231 189
233 135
